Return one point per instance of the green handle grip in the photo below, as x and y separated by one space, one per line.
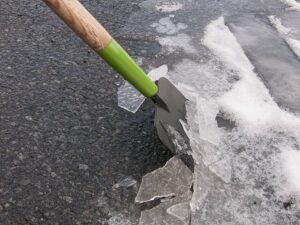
118 59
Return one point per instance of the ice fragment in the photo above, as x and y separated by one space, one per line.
127 182
130 99
174 179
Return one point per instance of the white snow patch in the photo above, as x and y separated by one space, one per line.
208 128
169 6
292 3
291 168
180 211
276 22
166 26
284 31
294 45
249 103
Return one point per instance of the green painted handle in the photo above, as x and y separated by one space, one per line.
74 14
118 59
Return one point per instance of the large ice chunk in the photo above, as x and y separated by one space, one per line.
174 179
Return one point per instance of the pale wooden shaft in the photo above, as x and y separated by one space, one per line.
74 14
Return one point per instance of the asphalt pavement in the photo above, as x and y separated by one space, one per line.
64 142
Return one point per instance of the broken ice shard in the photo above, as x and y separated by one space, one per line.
127 182
175 211
130 99
174 179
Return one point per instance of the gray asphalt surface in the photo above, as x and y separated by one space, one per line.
64 142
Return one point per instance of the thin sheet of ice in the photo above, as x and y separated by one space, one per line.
240 180
180 211
130 99
165 213
207 113
174 179
127 182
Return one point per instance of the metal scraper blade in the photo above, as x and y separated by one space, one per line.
170 111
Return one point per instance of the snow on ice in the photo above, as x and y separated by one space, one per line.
294 44
293 4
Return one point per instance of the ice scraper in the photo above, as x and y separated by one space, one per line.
169 102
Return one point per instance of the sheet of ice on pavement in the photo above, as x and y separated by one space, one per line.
131 99
173 211
245 178
276 65
174 179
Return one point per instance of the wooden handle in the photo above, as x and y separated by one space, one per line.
75 15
